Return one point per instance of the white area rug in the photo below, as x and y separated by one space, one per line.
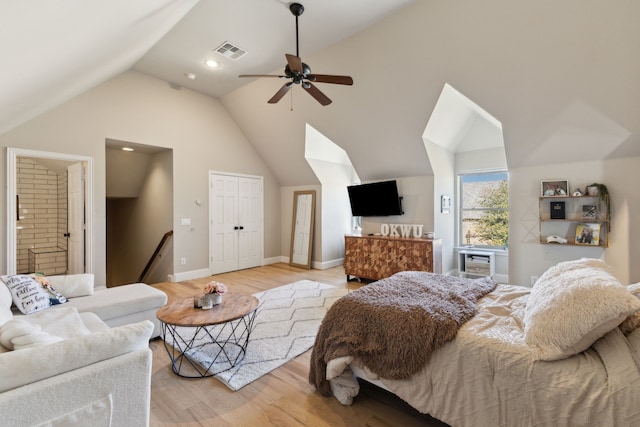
285 326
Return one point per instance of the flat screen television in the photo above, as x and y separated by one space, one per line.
375 199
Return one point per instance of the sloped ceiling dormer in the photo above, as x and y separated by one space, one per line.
53 51
561 77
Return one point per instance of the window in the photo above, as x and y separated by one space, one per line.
484 209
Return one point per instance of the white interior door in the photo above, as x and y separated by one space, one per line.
223 235
75 219
250 222
235 209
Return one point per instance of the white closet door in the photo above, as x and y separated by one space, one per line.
75 219
223 237
236 211
250 221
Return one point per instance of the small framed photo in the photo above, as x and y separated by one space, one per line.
588 234
558 187
589 211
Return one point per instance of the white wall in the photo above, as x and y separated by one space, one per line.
527 257
334 212
442 163
417 203
126 171
135 107
336 222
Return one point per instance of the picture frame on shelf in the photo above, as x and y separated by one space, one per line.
557 187
588 234
589 212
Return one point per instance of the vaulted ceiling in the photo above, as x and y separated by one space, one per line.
561 77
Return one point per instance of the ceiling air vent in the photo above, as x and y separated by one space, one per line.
231 51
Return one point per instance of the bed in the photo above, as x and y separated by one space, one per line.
563 353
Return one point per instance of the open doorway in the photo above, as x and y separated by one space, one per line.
139 191
48 219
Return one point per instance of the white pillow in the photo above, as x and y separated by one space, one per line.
73 285
63 322
634 288
28 295
18 334
16 328
572 305
632 322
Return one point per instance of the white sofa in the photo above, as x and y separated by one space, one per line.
87 362
120 305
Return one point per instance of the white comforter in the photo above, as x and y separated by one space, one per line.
487 376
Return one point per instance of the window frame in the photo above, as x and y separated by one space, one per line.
461 209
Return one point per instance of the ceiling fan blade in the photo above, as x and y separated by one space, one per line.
326 78
279 94
261 75
316 93
295 63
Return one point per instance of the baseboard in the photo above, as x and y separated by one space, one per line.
275 260
327 264
189 275
315 264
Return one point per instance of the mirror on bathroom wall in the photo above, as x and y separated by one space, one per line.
304 203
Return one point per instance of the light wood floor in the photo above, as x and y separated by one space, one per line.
283 397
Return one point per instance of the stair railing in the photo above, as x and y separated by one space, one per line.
155 254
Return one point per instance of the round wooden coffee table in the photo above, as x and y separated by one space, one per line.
202 343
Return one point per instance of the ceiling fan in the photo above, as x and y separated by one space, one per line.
300 73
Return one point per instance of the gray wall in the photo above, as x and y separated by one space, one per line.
135 107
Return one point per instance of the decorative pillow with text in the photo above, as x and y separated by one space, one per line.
27 293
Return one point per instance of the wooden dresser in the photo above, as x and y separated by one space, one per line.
377 257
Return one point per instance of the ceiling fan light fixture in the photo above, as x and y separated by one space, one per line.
300 73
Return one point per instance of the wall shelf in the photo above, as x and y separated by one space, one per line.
581 218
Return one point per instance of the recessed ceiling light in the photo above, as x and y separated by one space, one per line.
190 76
127 149
211 63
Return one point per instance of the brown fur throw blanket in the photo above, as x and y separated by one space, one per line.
391 326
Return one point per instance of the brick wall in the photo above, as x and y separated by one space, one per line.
42 213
